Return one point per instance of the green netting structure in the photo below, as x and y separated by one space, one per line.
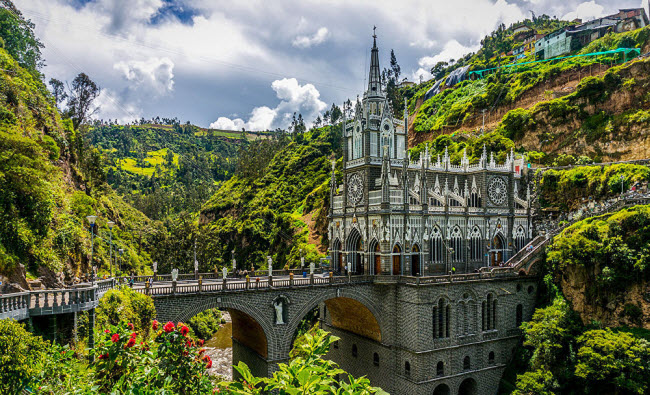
619 55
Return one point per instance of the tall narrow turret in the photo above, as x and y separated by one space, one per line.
374 80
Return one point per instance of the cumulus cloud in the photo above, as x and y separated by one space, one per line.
309 41
294 97
452 50
155 75
586 11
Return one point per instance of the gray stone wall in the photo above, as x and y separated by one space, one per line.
404 316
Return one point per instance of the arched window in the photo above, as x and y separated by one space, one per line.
491 357
375 359
435 202
456 245
437 254
475 199
440 369
520 238
407 368
441 317
490 312
475 244
354 350
467 363
520 315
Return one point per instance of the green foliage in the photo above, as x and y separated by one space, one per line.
468 143
617 243
566 188
206 324
266 215
20 356
536 382
163 170
515 123
126 305
610 362
18 39
307 373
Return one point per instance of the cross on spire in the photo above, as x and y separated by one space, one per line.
374 32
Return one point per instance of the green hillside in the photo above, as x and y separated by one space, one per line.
50 183
165 169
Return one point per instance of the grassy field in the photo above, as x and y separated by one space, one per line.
153 158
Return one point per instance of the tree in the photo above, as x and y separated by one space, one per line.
439 70
610 362
19 38
335 113
82 95
21 354
396 70
58 91
308 373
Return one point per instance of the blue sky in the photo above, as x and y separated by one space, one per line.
252 63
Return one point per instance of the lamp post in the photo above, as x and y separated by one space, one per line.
91 219
302 261
110 260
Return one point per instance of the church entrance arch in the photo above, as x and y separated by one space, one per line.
415 260
355 252
497 250
397 260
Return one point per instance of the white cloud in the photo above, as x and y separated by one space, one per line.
586 11
108 103
228 124
309 41
155 75
294 97
452 50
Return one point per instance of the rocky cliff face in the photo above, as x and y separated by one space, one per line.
628 308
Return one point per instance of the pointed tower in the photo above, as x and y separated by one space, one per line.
374 78
332 185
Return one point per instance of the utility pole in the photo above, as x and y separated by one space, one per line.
483 127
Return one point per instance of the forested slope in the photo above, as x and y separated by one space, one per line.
51 180
165 169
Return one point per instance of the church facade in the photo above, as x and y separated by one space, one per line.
396 216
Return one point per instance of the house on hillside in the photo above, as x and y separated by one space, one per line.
572 38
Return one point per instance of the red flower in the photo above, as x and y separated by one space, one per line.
130 325
200 342
130 343
201 351
169 327
154 325
134 335
184 330
107 331
103 356
115 338
208 365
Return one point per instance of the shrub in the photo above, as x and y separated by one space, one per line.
515 123
21 354
126 305
206 324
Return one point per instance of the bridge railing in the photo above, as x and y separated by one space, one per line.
15 305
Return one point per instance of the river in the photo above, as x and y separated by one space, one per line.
219 348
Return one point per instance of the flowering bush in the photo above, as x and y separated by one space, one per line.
172 361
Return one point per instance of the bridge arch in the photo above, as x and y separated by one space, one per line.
366 323
249 325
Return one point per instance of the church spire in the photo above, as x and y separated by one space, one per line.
374 81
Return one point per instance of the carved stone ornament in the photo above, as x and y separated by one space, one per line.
355 188
497 190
